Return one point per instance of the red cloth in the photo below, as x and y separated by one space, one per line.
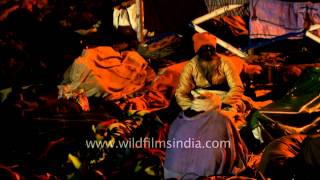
160 92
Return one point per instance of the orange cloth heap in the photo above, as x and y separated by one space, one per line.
102 71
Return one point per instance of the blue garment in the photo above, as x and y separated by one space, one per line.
210 126
271 18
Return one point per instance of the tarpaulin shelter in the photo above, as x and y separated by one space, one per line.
291 19
297 112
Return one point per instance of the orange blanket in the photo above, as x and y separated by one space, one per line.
104 72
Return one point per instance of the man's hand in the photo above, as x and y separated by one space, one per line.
253 69
206 102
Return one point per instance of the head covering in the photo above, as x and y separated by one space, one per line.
202 39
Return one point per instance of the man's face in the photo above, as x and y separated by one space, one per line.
207 58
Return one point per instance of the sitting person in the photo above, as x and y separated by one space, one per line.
202 119
210 72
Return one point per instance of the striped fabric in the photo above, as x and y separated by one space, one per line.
272 18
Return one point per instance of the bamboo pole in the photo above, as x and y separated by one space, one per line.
312 36
213 14
140 16
224 44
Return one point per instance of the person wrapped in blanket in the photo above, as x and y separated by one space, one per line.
210 93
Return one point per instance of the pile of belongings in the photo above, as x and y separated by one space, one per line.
124 78
105 72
